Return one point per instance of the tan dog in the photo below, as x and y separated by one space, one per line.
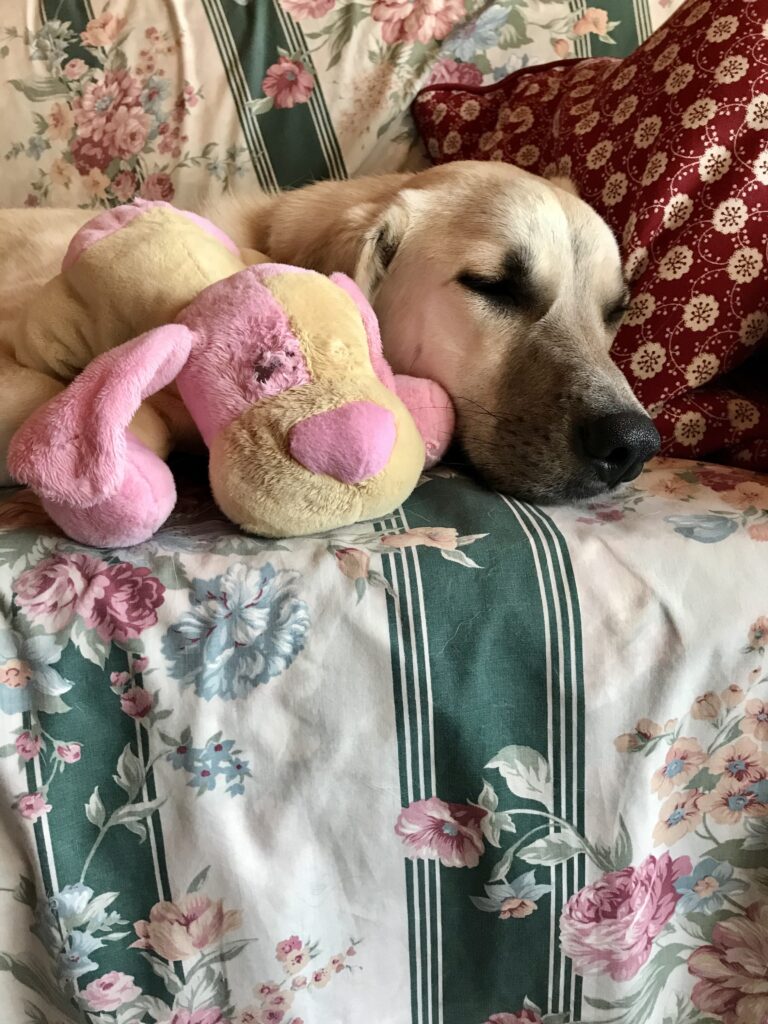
505 288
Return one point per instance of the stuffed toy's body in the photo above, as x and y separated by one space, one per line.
279 369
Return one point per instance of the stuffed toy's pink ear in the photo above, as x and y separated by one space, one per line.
73 449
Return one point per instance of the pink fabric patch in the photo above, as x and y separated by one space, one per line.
73 449
107 223
350 444
245 350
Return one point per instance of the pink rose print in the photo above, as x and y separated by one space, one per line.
102 31
177 931
447 70
592 20
75 69
416 20
118 680
561 47
136 702
140 664
299 9
32 806
288 82
284 949
70 753
119 601
158 186
109 119
111 991
609 926
51 592
731 981
124 603
28 746
437 830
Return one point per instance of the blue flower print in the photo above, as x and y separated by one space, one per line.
707 529
74 959
71 901
705 888
244 628
27 679
218 759
511 900
479 36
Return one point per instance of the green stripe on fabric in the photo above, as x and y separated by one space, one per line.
317 105
120 864
581 44
630 31
412 712
482 680
577 866
41 824
290 137
568 716
78 13
393 572
558 992
240 95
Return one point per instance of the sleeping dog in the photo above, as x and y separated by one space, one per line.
504 287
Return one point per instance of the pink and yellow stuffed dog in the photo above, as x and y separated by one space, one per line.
280 369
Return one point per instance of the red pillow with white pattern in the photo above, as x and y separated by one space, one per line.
670 146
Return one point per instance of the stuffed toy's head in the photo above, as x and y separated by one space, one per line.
282 372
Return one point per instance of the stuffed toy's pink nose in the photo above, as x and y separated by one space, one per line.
350 444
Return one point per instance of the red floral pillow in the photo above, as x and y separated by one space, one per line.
670 145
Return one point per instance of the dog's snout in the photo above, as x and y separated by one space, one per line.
617 445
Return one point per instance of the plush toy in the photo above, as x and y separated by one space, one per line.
281 370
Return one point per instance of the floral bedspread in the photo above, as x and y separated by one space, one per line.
106 99
478 762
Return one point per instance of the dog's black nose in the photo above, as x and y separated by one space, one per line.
619 444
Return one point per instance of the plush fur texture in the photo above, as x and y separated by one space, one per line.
281 370
73 450
351 443
140 505
112 220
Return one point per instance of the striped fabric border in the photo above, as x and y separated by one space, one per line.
248 40
565 715
417 696
317 105
414 706
635 25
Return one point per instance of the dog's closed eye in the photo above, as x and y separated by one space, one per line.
614 311
510 288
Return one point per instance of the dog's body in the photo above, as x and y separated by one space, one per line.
505 288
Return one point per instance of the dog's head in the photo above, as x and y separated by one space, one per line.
508 290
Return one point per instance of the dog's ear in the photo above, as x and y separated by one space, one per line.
380 244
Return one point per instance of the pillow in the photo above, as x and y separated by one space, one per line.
670 145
